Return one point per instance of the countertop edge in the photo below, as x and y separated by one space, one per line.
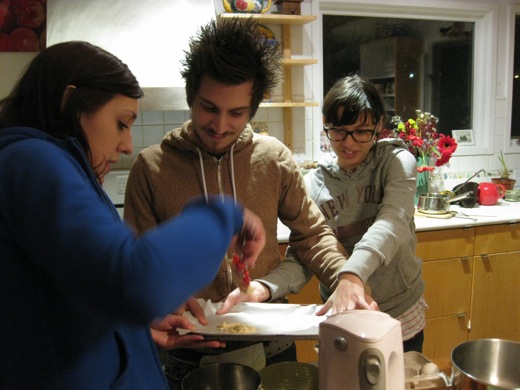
504 212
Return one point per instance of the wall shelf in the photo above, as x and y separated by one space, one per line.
288 104
297 20
299 61
286 21
393 65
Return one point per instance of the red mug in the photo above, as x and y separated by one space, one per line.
490 193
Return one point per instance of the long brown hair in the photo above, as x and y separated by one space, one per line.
37 98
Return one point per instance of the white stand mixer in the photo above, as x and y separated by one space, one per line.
361 349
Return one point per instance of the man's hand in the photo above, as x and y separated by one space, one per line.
257 292
250 242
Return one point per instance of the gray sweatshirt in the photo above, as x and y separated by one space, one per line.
372 211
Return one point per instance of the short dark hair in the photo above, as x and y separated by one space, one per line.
232 51
358 96
37 98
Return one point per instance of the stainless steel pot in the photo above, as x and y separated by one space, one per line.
486 364
290 376
436 203
222 376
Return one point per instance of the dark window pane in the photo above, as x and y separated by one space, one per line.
416 64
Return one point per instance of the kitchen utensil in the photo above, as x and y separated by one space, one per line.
489 193
486 364
361 349
465 186
222 376
460 214
459 186
470 201
240 273
290 376
435 203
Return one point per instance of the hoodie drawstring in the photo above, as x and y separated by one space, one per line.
201 163
232 167
227 260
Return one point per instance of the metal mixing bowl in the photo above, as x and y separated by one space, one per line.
219 376
290 376
486 364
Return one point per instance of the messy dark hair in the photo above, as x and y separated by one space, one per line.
232 51
37 100
358 97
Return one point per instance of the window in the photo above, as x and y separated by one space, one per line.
473 48
416 64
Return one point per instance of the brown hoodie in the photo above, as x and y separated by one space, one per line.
259 171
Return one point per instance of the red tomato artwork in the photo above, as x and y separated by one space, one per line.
22 25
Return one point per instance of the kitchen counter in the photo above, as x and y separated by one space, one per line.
503 212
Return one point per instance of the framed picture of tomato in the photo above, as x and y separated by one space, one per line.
23 25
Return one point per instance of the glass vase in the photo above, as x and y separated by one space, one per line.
423 179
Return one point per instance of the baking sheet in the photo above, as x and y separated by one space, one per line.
271 321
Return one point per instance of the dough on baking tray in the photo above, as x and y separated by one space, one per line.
236 328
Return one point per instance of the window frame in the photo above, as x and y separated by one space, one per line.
510 145
485 17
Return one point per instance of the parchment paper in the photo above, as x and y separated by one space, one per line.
271 320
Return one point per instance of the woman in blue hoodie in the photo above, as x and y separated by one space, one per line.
78 290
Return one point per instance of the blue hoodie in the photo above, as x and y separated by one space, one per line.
77 288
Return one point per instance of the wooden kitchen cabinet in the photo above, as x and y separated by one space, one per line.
495 308
288 103
471 278
445 244
305 349
394 66
447 271
309 294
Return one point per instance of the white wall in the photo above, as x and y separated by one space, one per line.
152 125
11 66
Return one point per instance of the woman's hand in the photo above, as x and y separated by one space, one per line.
165 333
257 292
349 295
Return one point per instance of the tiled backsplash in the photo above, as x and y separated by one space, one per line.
148 129
151 126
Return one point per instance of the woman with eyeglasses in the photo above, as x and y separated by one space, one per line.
366 193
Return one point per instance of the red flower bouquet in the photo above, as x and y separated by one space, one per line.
422 139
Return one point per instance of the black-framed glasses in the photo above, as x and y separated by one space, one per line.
361 136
